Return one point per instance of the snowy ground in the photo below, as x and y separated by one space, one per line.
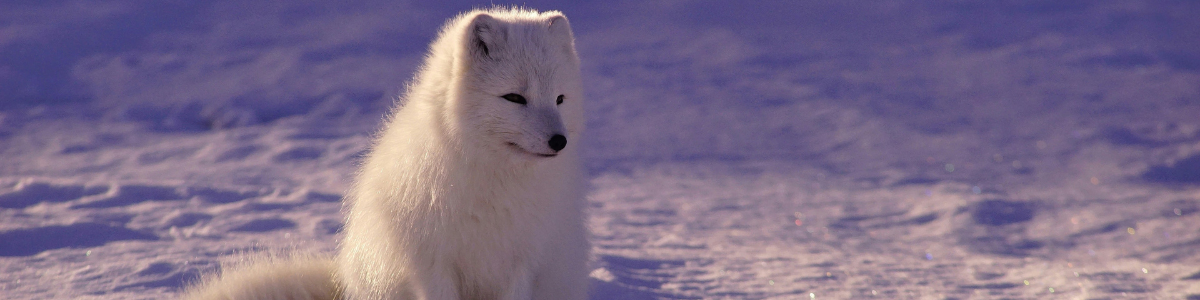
831 149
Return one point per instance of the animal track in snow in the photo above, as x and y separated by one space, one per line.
28 193
31 192
160 274
264 225
633 278
238 153
30 241
298 154
185 219
124 195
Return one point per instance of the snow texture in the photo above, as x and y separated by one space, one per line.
1013 149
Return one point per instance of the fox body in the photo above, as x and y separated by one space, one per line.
471 191
474 188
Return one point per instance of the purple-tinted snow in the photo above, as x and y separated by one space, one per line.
827 149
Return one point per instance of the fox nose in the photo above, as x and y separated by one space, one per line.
558 142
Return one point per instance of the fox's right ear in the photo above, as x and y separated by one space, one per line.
486 36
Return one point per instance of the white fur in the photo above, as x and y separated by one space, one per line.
446 207
458 199
270 278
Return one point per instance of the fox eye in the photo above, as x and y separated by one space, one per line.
514 98
559 101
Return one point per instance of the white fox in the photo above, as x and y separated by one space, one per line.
471 191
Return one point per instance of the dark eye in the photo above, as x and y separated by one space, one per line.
559 101
514 98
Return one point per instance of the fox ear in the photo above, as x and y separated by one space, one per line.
560 31
486 36
560 28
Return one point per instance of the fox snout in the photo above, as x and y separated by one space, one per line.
550 119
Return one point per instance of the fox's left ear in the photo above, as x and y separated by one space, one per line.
560 29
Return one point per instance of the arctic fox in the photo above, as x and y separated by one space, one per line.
471 191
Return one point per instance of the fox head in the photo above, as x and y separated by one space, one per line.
519 90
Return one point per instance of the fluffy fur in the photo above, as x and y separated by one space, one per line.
271 278
455 202
465 194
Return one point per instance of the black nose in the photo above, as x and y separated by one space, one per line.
558 142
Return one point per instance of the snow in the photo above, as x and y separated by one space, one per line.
821 149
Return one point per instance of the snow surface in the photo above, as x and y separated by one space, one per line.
816 149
